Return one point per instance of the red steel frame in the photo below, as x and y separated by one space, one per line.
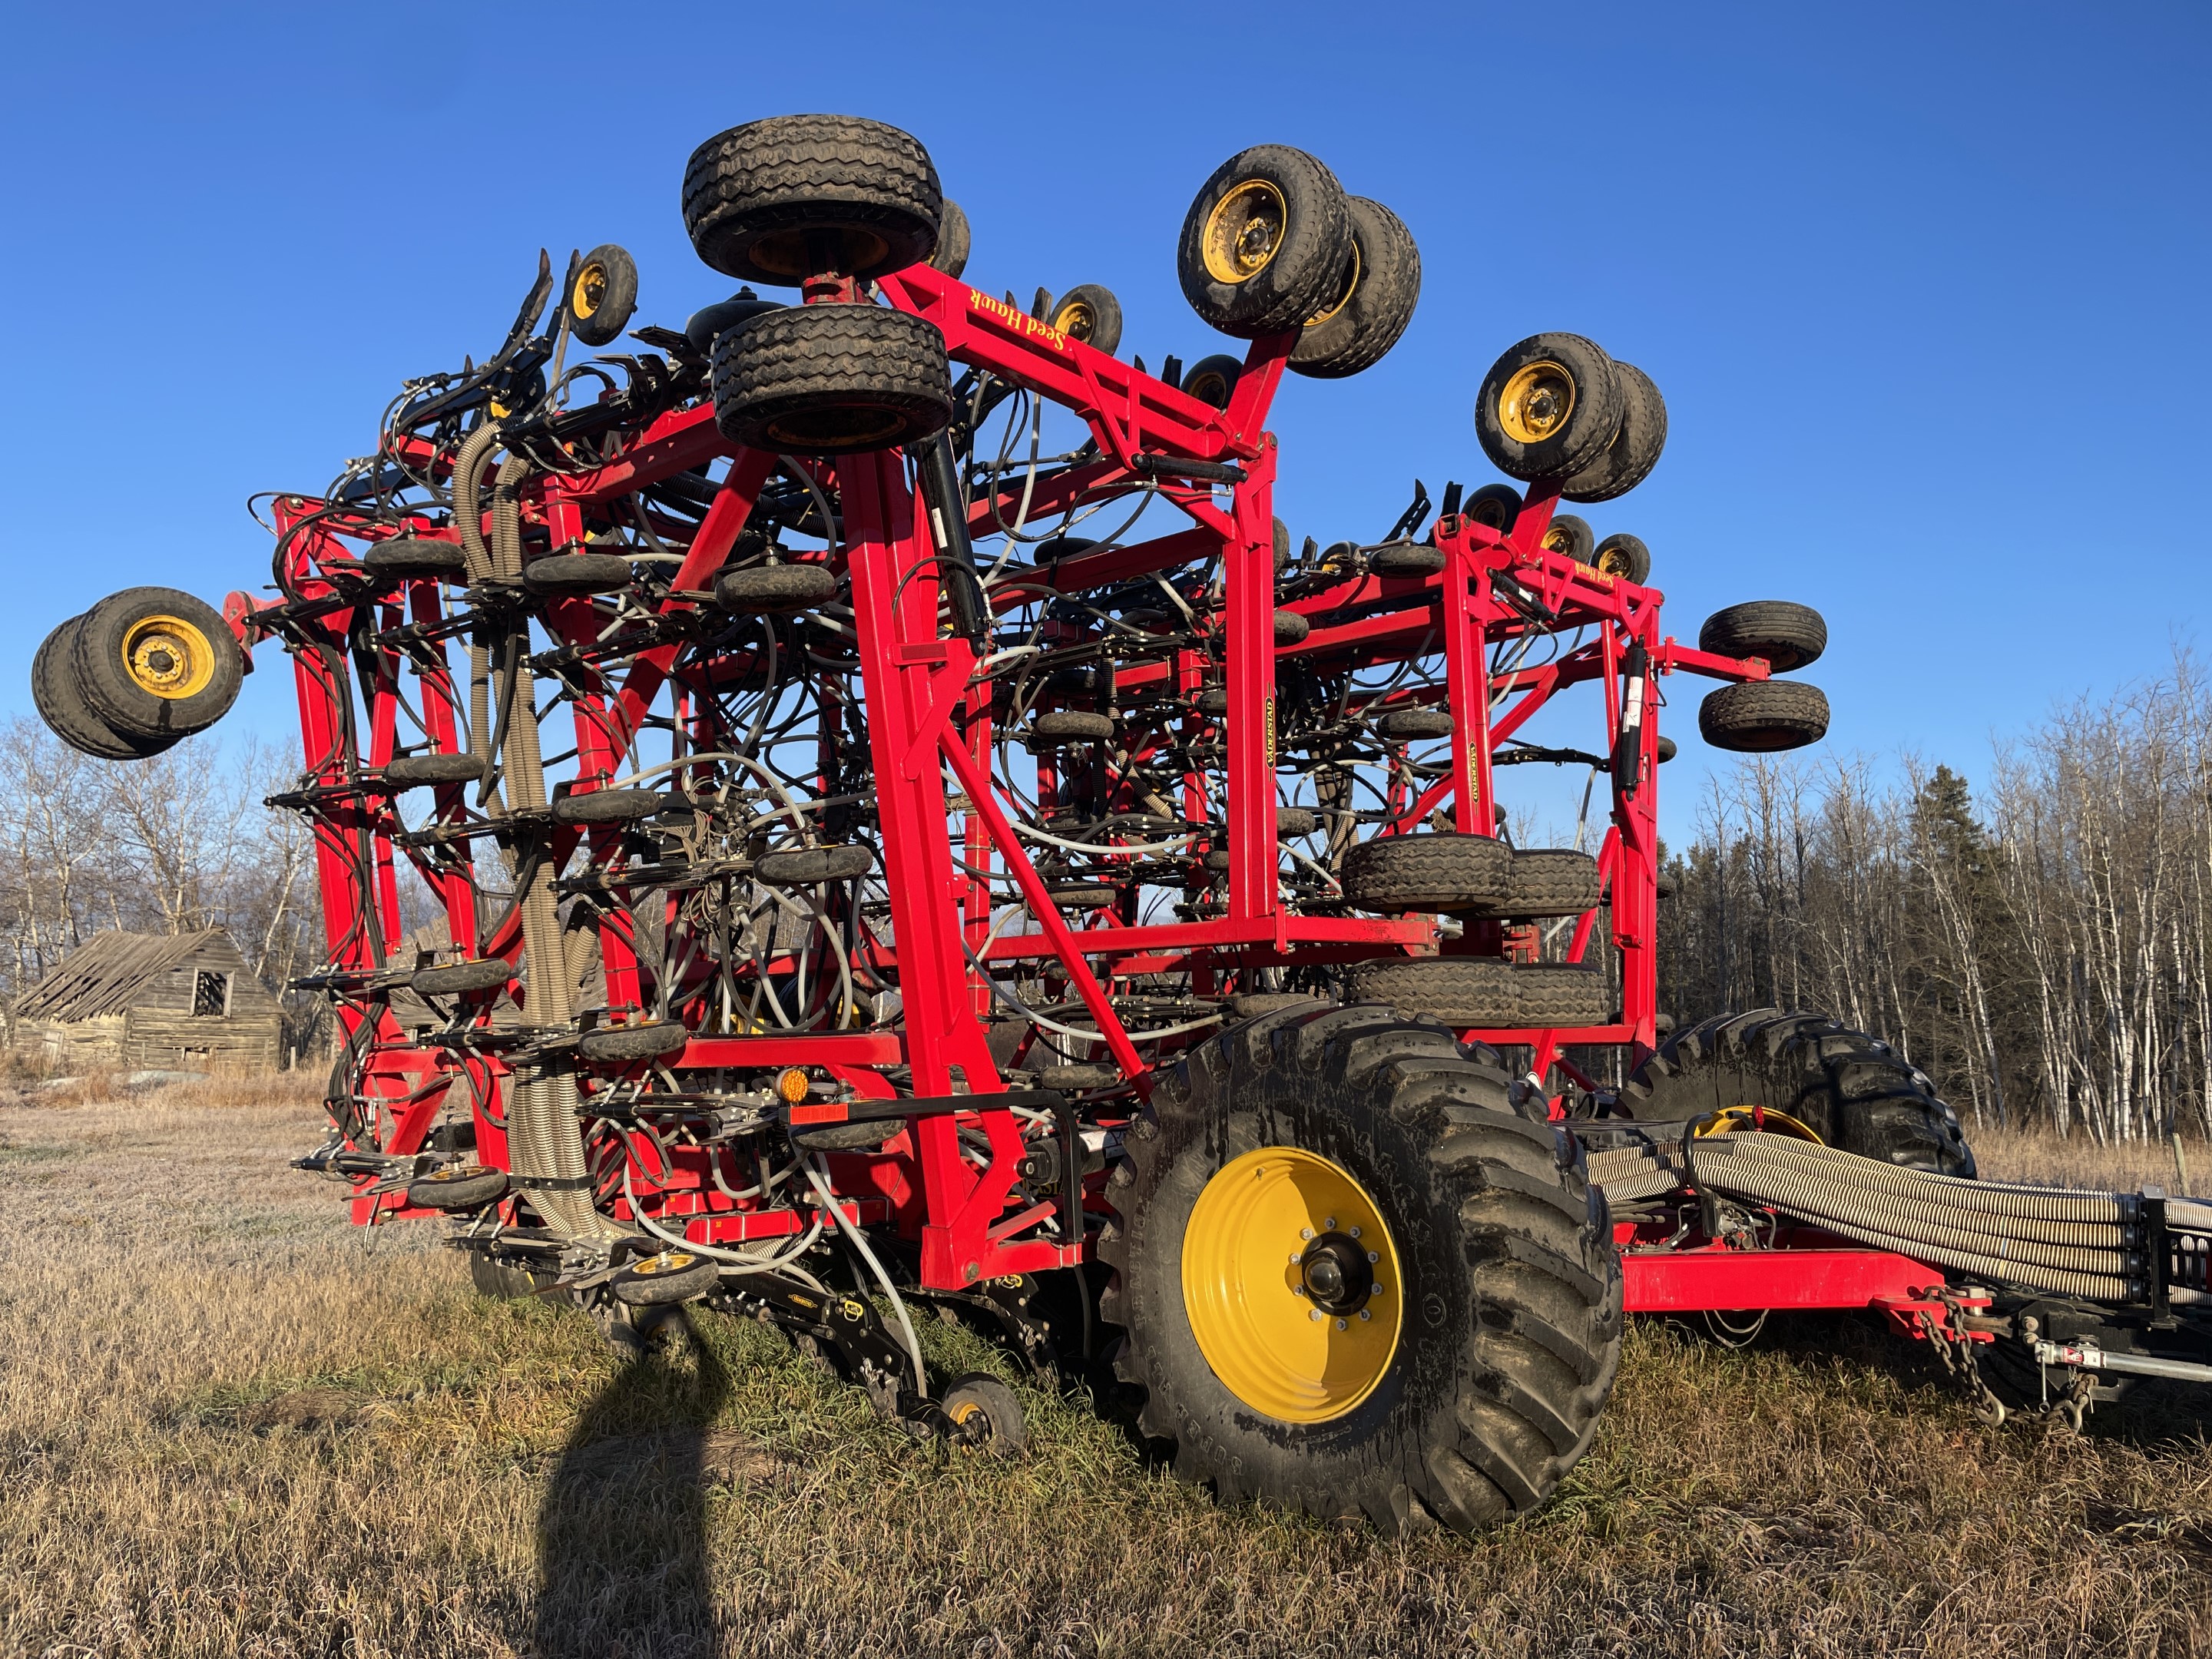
923 718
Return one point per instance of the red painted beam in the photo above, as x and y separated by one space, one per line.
1719 1280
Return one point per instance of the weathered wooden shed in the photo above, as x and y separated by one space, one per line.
151 1001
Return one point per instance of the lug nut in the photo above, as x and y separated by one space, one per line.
1355 1233
1306 1233
1329 1225
1373 1256
1339 1324
1315 1314
1365 1314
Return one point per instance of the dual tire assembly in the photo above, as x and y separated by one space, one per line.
137 673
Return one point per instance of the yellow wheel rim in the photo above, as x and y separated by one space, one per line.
1536 402
1344 294
1556 540
1077 321
1292 1285
1732 1120
1244 232
668 1262
590 291
1613 561
168 657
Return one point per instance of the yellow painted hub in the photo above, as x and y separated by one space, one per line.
1244 232
668 1262
1352 273
1292 1285
590 292
1536 402
1077 321
168 657
1614 562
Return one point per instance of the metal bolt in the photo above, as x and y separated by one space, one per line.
1375 1290
1315 1314
1298 1290
1373 1256
1364 1314
1296 1256
1329 1225
1355 1233
1305 1232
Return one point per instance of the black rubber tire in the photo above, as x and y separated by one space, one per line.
831 380
97 663
413 771
1623 556
1078 1078
1762 716
753 193
1291 822
1572 441
1495 505
1371 310
1628 460
410 556
1071 726
1553 995
1213 701
1217 861
504 1278
601 296
1291 628
610 806
1855 1092
1513 1290
462 1187
660 1281
1413 725
1571 534
706 322
810 866
981 1402
1088 897
1304 270
950 254
1461 991
1426 873
566 575
1548 882
775 590
459 979
61 704
1406 559
1090 313
1787 635
1668 749
1250 1005
622 1045
1213 380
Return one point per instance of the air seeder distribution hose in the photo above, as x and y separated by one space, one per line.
2070 1243
546 1137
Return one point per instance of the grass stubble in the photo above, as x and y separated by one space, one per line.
230 1425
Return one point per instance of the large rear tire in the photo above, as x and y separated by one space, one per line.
1855 1092
1309 1166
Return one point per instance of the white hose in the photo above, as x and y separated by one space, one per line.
898 1303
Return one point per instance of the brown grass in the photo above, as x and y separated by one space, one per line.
228 1425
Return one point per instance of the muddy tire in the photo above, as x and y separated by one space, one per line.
601 807
1213 380
155 662
462 1187
1460 991
1548 882
1855 1092
603 294
753 195
61 704
659 1281
1760 717
1090 313
1494 1293
1265 244
950 254
412 557
625 1045
1625 556
1548 407
831 380
570 575
1427 873
1553 995
1636 446
414 771
1358 325
773 590
1788 635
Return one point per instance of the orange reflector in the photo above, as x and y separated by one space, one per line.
792 1085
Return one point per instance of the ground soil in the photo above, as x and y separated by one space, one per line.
230 1425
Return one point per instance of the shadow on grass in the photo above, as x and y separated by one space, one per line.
622 1534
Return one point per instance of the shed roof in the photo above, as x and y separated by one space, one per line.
104 974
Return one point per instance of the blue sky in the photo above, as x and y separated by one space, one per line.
1923 286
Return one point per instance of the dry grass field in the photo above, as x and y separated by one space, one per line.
230 1425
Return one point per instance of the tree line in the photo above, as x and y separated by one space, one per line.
2038 946
175 844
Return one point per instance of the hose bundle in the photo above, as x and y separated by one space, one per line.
2069 1243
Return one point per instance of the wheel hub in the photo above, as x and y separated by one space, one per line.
1244 232
1292 1285
168 657
1536 402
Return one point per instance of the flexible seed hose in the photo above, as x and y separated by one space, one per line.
468 514
2072 1244
550 1141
